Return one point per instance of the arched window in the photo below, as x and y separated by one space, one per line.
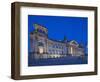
40 44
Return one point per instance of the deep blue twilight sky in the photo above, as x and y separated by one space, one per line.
74 28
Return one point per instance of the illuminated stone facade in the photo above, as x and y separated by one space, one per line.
44 47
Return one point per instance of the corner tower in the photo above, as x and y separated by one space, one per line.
39 37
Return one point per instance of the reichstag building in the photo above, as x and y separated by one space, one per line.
44 47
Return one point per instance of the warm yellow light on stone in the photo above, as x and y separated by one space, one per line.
40 50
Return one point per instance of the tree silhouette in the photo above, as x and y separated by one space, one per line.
65 39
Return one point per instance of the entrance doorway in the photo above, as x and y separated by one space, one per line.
41 50
40 47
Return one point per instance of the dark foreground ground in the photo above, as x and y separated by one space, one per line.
69 60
